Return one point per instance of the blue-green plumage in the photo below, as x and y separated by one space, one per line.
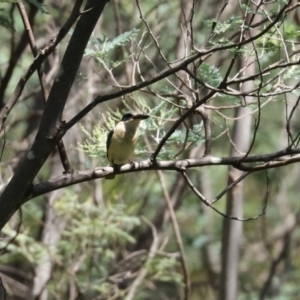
121 140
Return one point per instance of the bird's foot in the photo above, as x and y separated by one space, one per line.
131 162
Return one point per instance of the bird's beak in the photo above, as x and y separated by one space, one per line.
140 116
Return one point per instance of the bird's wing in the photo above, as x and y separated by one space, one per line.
108 140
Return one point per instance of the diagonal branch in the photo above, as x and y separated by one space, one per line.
208 203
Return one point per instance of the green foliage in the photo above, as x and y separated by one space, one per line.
291 32
221 42
120 40
231 24
92 235
163 269
5 21
95 143
89 227
268 44
209 74
248 9
24 247
39 5
8 1
292 73
99 49
103 227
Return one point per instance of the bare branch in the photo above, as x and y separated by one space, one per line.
273 160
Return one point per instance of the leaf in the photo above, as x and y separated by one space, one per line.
120 40
8 1
39 5
6 23
100 48
209 74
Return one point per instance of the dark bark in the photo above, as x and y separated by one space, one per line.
49 132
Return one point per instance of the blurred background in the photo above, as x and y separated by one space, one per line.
115 239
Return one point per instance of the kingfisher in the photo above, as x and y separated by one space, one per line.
121 140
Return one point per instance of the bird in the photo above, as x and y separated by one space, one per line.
121 140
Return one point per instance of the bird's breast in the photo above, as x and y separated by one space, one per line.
121 146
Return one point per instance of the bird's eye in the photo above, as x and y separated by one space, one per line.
127 117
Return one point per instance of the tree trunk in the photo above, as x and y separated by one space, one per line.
232 230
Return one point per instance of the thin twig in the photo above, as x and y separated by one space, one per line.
2 250
257 121
230 186
272 271
291 141
215 22
143 272
208 203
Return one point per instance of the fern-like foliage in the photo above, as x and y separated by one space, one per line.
120 40
8 1
210 74
40 6
99 49
5 20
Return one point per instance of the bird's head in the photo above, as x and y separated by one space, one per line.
133 116
132 120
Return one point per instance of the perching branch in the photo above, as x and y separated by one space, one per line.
273 160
